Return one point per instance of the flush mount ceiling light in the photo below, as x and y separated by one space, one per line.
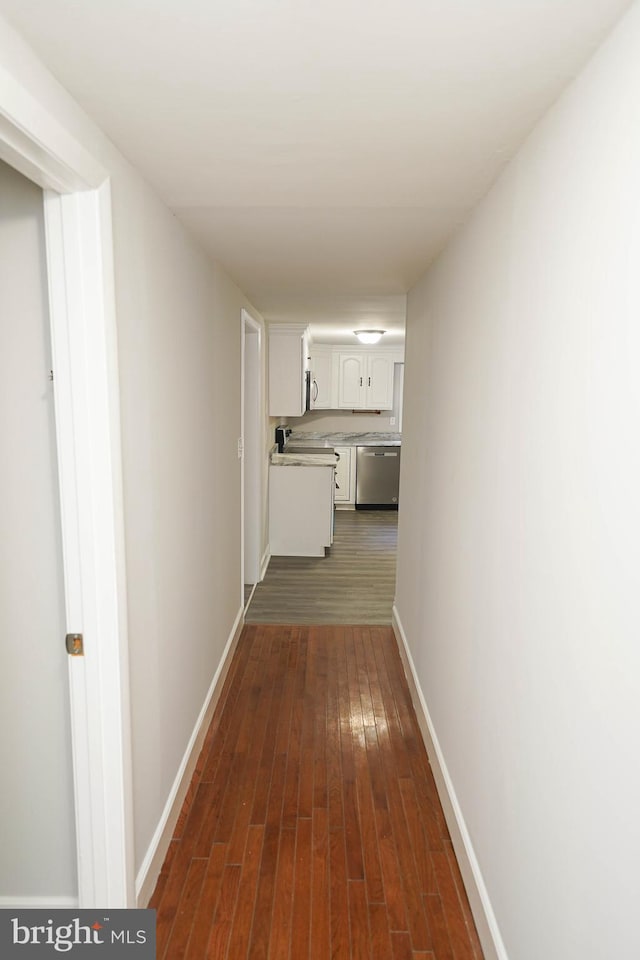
368 336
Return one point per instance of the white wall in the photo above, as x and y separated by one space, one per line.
180 394
38 858
519 542
179 324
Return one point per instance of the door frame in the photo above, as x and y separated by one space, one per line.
252 446
79 246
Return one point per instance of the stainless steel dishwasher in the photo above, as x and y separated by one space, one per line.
377 478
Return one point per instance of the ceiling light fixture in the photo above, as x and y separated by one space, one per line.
368 336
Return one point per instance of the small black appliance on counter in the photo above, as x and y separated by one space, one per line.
282 435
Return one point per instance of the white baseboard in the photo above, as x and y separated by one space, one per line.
157 851
264 563
486 923
247 602
38 903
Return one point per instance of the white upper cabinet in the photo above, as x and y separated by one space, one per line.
366 380
351 375
288 345
379 394
321 366
359 379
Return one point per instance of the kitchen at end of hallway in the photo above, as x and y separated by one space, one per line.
313 473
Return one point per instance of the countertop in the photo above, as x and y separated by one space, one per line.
346 439
310 439
303 459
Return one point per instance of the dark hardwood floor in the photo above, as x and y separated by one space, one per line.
312 828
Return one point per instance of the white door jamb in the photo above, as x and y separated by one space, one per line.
83 333
252 433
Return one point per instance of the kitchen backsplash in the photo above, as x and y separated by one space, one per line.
343 421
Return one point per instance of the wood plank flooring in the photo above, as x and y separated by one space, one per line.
312 829
354 583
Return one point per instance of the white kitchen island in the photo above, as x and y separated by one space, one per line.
301 505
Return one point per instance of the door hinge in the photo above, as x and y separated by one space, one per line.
74 643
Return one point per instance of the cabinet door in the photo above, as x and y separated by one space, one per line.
379 383
344 493
301 503
321 373
287 363
352 377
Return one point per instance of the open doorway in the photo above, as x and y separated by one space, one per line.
252 447
79 245
39 855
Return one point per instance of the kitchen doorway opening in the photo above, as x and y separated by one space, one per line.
354 583
251 447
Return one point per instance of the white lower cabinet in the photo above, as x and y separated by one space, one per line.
346 475
301 502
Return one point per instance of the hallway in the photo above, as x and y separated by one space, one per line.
312 828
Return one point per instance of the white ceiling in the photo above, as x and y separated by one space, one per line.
322 150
